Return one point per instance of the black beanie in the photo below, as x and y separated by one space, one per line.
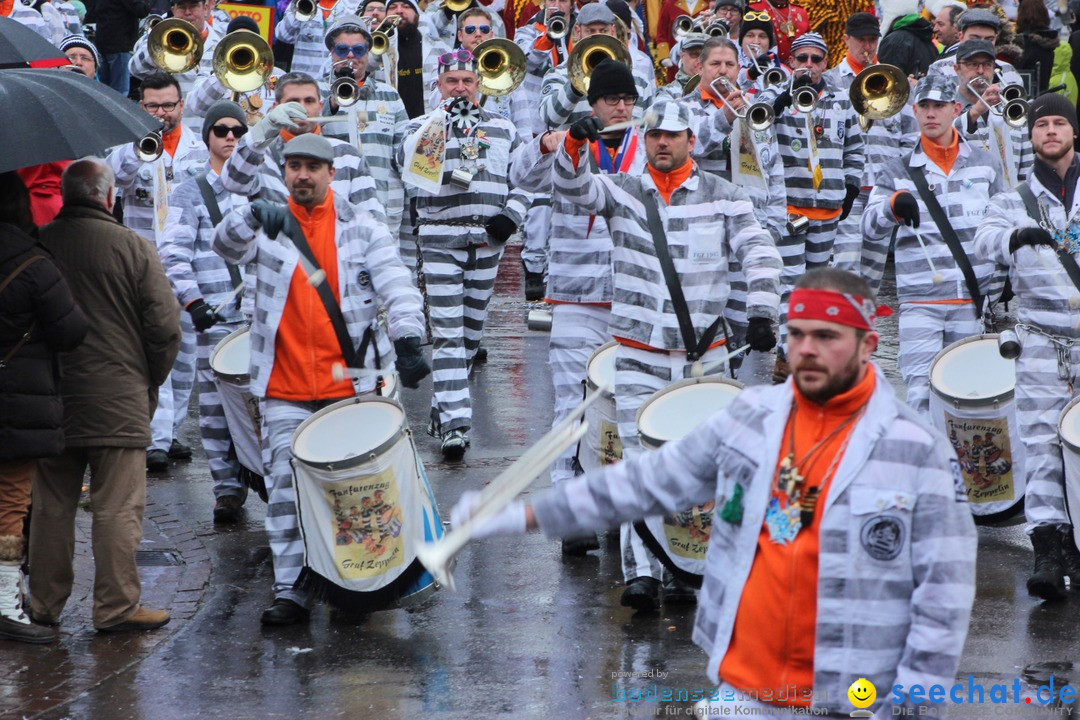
611 77
221 109
747 25
1052 104
242 22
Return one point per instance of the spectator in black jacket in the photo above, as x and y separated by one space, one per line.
909 45
117 30
38 319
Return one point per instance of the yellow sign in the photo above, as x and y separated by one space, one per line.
263 15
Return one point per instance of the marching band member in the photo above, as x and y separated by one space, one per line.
731 12
579 274
294 346
838 526
664 40
465 213
937 304
412 63
983 127
641 63
145 188
886 139
708 220
542 51
757 50
306 35
204 285
689 66
789 22
1042 211
445 24
977 24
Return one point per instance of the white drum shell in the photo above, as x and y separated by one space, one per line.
230 361
1069 433
601 445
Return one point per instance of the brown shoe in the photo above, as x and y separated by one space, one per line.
143 619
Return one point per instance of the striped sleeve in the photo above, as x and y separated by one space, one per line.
557 99
530 169
393 283
234 239
589 192
757 254
241 172
177 247
125 164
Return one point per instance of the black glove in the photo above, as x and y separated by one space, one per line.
500 228
760 335
906 208
802 80
781 103
1033 236
587 128
410 363
761 61
271 216
849 200
203 316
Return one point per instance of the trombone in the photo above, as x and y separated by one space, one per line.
759 116
589 53
382 35
804 99
243 61
878 92
175 46
500 64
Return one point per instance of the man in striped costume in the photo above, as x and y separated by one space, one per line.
203 281
823 155
457 158
294 346
145 188
579 273
306 36
936 305
1046 370
706 221
28 16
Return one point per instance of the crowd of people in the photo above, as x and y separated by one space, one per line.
717 178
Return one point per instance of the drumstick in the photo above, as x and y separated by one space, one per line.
698 370
936 277
438 556
341 373
232 296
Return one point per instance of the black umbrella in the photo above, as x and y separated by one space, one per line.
50 115
22 47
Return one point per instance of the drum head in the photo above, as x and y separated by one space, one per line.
348 432
671 413
972 372
231 358
1069 425
601 367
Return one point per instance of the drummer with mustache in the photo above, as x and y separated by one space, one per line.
294 343
842 546
1034 230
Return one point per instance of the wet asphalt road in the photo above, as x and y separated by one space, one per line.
528 634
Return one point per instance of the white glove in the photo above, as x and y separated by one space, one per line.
508 521
281 117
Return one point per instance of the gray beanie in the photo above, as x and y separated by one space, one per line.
221 109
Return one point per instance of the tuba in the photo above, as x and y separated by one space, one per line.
589 53
305 10
243 61
175 46
878 92
501 66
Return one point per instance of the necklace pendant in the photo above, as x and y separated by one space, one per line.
783 524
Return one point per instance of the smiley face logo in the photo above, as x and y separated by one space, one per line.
862 693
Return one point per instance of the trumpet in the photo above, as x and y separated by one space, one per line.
589 53
380 42
557 27
719 28
769 75
149 147
804 99
759 115
682 26
175 46
501 66
345 92
1011 107
878 92
243 61
305 10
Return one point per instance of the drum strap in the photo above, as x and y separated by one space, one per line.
695 347
1031 204
215 217
949 235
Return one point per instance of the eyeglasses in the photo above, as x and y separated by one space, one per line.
757 17
470 29
613 100
154 107
977 64
80 57
222 131
460 55
810 59
343 50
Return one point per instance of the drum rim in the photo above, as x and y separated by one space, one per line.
401 431
588 378
1061 420
968 402
655 443
230 377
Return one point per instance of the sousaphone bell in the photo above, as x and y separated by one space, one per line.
243 61
175 46
590 52
500 64
878 92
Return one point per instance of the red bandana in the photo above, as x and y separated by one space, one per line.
836 307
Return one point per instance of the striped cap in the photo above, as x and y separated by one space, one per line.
809 40
669 116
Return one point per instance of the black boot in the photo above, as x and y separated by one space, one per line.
642 593
1048 579
1070 556
534 285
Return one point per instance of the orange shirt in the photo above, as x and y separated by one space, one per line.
772 643
667 182
326 6
306 348
6 6
942 155
170 140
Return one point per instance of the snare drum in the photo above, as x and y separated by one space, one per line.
681 541
971 402
1069 432
601 445
230 362
364 505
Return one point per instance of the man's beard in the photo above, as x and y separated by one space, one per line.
1065 148
838 384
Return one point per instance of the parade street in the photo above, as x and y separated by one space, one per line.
527 634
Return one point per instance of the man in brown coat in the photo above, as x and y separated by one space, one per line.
109 391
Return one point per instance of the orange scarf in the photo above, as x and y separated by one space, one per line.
667 182
942 155
857 66
287 136
707 93
170 140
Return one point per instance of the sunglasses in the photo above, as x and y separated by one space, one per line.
483 29
756 17
222 131
461 55
343 50
810 59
